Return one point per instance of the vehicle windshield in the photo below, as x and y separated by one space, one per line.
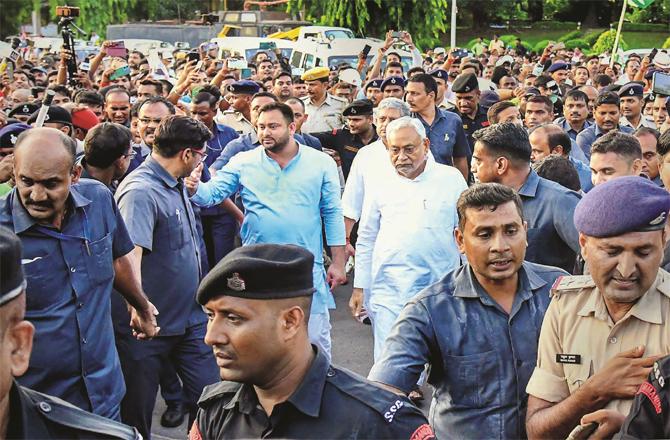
353 61
339 33
249 53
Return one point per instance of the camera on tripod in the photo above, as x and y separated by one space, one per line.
67 15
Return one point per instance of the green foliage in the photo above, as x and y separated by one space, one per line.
605 42
666 45
570 36
592 37
425 19
645 27
13 13
577 43
508 39
540 45
559 25
470 44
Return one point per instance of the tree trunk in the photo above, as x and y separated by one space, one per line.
535 10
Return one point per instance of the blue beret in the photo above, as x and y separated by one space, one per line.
440 73
10 133
631 89
260 271
560 65
621 205
393 81
374 83
244 86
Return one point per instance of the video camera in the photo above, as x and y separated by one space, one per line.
67 15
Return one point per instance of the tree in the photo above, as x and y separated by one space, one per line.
425 19
14 14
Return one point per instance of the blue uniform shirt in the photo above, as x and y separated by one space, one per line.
565 125
284 205
70 277
481 357
221 136
548 208
160 219
588 136
447 137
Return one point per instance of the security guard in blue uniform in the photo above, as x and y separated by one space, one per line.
257 300
466 86
359 133
33 415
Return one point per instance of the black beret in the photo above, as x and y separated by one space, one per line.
26 109
12 281
9 134
621 205
393 81
631 89
374 83
55 113
465 83
244 86
359 107
440 73
260 271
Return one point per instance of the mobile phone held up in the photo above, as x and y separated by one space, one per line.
660 84
237 64
193 56
117 49
118 73
267 45
366 50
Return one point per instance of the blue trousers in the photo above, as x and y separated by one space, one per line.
143 361
219 232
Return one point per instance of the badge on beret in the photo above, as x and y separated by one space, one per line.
467 89
12 139
392 80
658 220
631 92
236 283
25 109
352 111
439 74
47 117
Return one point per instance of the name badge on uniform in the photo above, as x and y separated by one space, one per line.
446 137
568 358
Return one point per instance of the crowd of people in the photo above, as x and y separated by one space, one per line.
168 221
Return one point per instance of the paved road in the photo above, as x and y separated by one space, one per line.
352 349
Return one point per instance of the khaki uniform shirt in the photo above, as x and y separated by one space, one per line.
578 336
644 122
326 117
236 121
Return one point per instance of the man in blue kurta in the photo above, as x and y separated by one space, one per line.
286 189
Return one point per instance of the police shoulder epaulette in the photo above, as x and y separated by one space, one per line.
381 400
341 100
218 390
663 285
63 413
566 284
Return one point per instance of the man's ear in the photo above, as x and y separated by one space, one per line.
21 344
460 240
76 173
582 245
637 166
292 320
558 149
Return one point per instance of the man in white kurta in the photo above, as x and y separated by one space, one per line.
407 240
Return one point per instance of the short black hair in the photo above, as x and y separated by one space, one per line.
176 133
576 95
265 94
541 99
663 146
151 82
394 64
280 106
61 90
280 74
606 98
207 97
106 91
157 100
621 144
560 170
486 195
496 109
105 143
641 131
602 80
415 69
429 83
507 140
293 99
89 97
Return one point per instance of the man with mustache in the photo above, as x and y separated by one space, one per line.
277 384
606 114
477 326
75 248
286 189
602 333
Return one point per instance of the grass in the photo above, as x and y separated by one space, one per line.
533 36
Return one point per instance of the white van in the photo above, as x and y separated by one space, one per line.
247 47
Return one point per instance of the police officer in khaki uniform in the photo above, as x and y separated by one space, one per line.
277 385
324 110
238 118
602 333
29 414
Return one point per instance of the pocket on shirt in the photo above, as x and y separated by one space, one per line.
176 232
100 263
474 380
40 293
439 217
577 374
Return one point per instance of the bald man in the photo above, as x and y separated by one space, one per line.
75 248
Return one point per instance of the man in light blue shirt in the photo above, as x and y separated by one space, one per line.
286 189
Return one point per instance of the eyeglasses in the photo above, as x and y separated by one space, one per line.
202 155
